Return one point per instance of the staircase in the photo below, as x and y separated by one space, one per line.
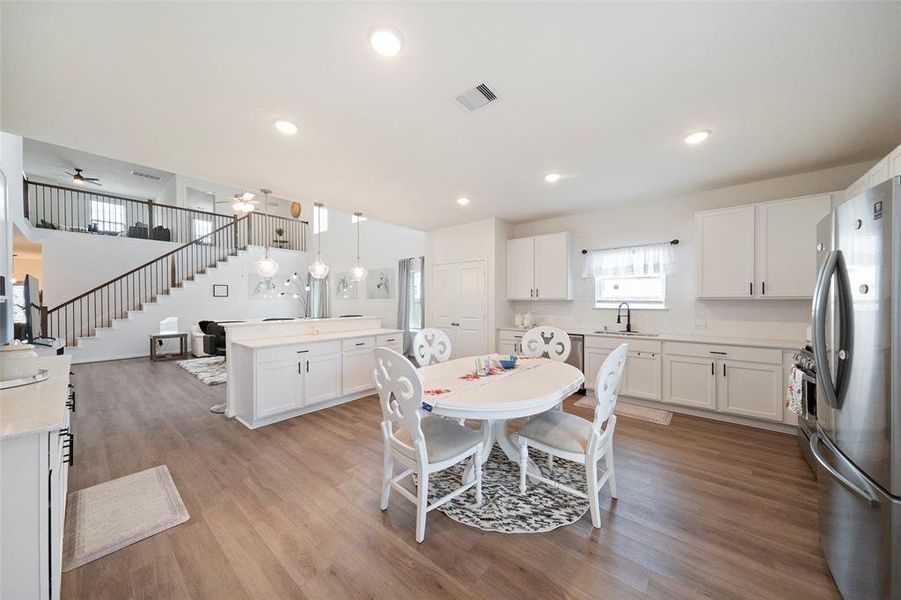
119 304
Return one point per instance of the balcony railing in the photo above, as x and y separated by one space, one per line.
86 211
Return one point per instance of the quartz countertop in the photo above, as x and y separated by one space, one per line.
312 321
674 337
38 407
311 338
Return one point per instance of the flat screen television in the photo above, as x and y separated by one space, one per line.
32 307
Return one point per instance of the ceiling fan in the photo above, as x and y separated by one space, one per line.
79 179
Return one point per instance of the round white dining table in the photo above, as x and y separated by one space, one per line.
528 390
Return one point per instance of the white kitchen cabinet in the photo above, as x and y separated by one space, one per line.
725 240
459 306
357 370
520 269
279 386
322 377
894 161
641 378
879 172
594 358
765 250
750 389
538 268
689 380
786 246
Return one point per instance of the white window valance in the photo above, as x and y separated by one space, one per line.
629 261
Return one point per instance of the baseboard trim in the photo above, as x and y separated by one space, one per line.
713 416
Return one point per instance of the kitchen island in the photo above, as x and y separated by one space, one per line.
282 369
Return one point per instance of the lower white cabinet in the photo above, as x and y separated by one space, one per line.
641 377
357 370
509 342
279 387
689 380
735 380
322 378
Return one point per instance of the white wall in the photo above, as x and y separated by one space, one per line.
381 246
653 221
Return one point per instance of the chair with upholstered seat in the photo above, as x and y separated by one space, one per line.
431 345
548 341
571 437
422 445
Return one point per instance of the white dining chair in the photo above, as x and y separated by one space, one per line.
422 445
571 437
548 341
431 344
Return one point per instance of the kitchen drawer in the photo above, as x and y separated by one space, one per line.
611 343
390 339
358 343
717 352
277 353
510 336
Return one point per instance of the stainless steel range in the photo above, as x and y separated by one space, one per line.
807 421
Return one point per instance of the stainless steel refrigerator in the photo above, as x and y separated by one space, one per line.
857 346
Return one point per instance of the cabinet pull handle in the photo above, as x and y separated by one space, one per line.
302 351
711 368
718 352
300 368
751 289
361 343
390 340
724 369
763 288
531 292
308 366
536 292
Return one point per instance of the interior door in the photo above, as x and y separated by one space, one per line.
786 248
726 253
551 267
443 298
471 308
520 269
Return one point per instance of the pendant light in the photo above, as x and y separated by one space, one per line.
266 266
319 270
358 273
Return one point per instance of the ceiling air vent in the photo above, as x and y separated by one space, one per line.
477 97
147 175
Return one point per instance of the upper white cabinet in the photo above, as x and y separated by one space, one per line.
786 246
765 250
538 268
888 167
726 252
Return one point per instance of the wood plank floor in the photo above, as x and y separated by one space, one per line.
706 509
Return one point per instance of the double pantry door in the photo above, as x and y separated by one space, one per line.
459 305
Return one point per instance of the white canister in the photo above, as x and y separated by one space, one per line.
18 361
527 320
517 320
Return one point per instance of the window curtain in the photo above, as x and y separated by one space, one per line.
629 261
318 298
410 313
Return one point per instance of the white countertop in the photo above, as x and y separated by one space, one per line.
673 337
310 338
40 406
312 321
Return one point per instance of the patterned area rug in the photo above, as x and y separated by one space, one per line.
503 509
209 369
635 411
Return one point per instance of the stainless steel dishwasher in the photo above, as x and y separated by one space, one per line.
577 356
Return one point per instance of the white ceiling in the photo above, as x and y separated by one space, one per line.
49 163
604 92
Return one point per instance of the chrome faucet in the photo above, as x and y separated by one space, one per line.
619 314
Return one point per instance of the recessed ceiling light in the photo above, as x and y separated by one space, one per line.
462 201
386 41
552 177
697 137
286 127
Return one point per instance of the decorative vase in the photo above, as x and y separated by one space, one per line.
295 209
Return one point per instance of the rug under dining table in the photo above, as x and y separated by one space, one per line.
503 509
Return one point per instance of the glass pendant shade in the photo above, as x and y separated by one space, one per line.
266 267
319 270
358 273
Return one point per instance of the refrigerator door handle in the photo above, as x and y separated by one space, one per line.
868 494
833 265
